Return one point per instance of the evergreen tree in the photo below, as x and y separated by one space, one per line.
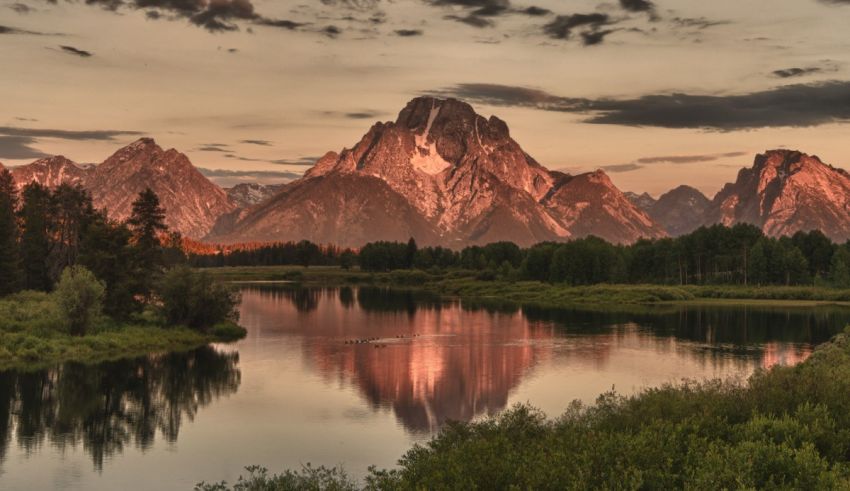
35 236
10 263
106 252
71 212
410 254
758 263
147 222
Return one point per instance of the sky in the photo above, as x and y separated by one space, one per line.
656 92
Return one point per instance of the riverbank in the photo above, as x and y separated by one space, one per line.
31 335
469 285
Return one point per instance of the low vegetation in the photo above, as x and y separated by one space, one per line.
786 428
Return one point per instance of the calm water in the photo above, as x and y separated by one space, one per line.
296 391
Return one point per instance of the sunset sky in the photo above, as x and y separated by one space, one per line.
657 93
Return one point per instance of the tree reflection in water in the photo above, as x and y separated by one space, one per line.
111 405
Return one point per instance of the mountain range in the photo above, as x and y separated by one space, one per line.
447 176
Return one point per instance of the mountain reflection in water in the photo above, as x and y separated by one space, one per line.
433 360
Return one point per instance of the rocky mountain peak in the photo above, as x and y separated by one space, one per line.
51 172
786 191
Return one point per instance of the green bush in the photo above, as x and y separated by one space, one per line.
194 299
308 478
79 296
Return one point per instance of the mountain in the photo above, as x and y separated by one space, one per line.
785 192
643 201
50 172
444 175
192 203
244 195
680 211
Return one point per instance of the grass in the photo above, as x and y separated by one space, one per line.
32 336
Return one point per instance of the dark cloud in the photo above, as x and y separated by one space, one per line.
15 30
801 105
622 167
637 5
670 159
21 8
698 23
300 161
591 38
212 15
563 25
331 31
408 32
688 159
470 20
534 11
795 72
75 51
212 148
104 135
19 147
281 23
264 143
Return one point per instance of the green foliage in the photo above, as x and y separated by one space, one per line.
194 299
308 478
79 296
35 242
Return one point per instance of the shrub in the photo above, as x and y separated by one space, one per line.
79 296
194 299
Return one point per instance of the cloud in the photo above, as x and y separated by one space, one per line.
21 8
470 20
78 52
591 38
212 148
19 147
800 105
698 23
408 32
299 161
563 25
212 15
227 178
263 143
534 11
103 135
331 31
637 5
795 72
622 167
15 30
670 159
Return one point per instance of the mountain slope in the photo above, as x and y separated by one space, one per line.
785 192
50 172
246 194
462 177
680 211
192 203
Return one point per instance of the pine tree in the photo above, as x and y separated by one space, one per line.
10 263
146 223
35 236
839 270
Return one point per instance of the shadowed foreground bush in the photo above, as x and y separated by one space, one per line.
787 428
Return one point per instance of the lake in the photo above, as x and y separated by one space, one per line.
354 376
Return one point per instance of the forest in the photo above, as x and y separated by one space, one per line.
713 255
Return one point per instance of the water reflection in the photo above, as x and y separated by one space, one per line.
112 405
431 360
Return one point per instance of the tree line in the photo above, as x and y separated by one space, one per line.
740 255
54 240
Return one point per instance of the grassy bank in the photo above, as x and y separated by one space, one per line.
786 428
32 335
467 284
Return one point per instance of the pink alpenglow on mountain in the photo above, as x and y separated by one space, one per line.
785 192
444 175
192 203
